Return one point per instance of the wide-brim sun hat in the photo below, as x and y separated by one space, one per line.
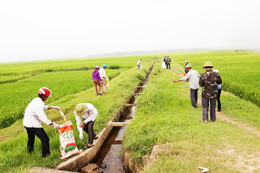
81 109
188 66
208 65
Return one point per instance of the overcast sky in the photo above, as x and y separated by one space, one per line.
36 30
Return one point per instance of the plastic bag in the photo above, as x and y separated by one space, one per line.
68 146
163 65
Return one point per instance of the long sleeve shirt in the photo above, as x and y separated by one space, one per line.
96 75
90 115
209 81
34 114
193 77
102 73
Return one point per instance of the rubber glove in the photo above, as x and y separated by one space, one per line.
56 107
81 135
55 125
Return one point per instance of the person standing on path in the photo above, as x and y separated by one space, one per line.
164 60
97 80
139 65
219 92
34 114
168 63
193 78
103 76
209 81
89 114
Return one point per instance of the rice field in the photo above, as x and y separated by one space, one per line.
21 81
240 71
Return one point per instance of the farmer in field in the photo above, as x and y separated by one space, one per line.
103 76
34 114
219 92
168 62
209 81
193 78
139 65
185 69
89 113
97 80
164 60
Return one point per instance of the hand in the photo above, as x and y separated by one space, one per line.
81 136
173 80
55 125
82 124
55 107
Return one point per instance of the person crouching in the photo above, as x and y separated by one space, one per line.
89 113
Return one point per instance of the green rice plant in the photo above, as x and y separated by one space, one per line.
16 96
164 118
239 70
107 105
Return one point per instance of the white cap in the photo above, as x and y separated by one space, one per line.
185 61
215 70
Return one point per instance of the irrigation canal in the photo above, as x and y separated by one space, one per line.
109 158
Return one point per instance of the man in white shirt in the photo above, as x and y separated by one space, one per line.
103 76
193 77
89 113
139 65
34 114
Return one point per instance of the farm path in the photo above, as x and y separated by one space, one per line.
224 116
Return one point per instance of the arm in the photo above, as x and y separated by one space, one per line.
219 80
41 114
78 122
201 82
99 78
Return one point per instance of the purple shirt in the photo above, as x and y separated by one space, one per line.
96 75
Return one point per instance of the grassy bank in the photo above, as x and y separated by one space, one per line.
164 118
13 154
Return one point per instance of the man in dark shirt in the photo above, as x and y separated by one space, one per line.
209 81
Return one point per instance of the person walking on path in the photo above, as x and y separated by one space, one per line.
139 65
209 81
168 63
97 80
34 114
219 92
103 77
185 69
89 113
193 78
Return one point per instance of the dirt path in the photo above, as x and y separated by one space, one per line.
225 117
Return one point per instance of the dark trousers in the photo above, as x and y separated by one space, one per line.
205 108
194 97
88 128
41 134
218 99
168 66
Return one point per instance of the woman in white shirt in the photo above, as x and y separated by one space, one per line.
89 113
